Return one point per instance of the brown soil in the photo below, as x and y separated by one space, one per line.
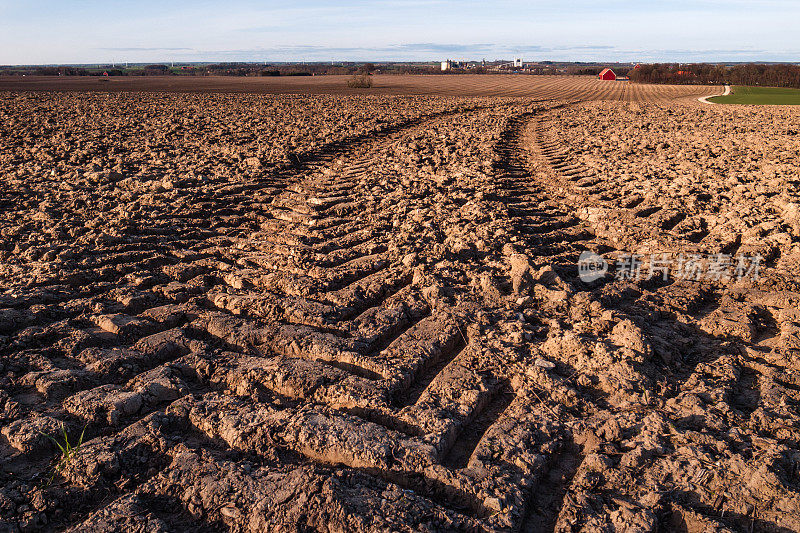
363 313
539 87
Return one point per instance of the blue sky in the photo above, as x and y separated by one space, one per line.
89 31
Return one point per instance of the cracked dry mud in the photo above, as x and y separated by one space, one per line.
332 313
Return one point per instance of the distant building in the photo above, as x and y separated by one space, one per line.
450 64
607 74
518 63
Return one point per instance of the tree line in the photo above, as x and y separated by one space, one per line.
772 75
215 69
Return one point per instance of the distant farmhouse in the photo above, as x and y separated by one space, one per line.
607 74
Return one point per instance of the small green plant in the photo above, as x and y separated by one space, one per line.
67 449
360 81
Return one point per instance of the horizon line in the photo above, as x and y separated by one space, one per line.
391 61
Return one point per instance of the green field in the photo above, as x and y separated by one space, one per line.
759 95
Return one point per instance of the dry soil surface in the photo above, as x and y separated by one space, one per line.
363 313
539 87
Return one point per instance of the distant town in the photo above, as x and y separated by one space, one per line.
302 68
755 74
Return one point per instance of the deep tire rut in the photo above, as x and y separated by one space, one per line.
380 327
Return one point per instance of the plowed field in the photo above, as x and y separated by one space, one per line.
348 312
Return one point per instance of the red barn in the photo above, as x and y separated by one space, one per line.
607 74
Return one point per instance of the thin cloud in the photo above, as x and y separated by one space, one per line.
329 50
436 47
587 47
261 29
143 49
436 51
